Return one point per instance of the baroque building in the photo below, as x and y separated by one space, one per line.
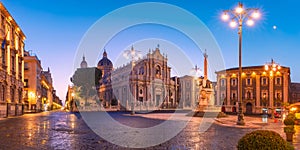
261 89
145 83
11 65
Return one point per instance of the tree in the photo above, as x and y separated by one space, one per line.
86 80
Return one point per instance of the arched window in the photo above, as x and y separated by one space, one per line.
158 70
141 91
2 93
141 71
249 95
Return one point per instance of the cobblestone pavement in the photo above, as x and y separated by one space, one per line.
63 130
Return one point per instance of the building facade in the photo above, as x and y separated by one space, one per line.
32 82
38 86
261 89
47 90
11 65
145 83
294 93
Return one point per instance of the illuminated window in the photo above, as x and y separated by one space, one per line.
26 83
278 95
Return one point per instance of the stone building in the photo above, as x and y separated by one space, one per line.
294 93
146 83
47 90
38 86
261 89
11 65
32 80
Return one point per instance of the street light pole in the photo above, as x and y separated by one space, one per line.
240 120
238 15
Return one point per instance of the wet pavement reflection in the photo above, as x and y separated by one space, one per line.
64 130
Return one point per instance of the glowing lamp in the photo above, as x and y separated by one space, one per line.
250 22
256 14
233 23
225 17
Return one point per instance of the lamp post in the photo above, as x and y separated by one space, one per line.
272 67
238 16
134 55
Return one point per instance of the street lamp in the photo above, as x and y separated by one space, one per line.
238 16
272 67
134 55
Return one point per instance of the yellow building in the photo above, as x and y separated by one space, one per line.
32 80
38 89
47 90
11 65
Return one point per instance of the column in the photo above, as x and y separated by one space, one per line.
285 87
228 90
218 91
271 92
257 90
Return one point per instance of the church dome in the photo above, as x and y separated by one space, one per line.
104 62
83 63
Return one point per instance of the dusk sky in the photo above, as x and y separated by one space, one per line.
54 29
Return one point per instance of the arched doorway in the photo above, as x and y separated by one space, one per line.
234 109
249 108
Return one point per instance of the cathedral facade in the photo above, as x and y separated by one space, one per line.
145 83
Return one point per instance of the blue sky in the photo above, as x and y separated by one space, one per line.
54 29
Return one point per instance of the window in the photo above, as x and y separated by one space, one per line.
249 81
20 96
26 83
141 71
2 93
278 81
157 70
188 84
264 81
278 95
223 82
26 66
264 95
12 94
233 82
141 91
3 54
13 63
233 95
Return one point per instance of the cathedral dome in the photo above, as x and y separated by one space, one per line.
104 62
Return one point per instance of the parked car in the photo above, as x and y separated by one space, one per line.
277 115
